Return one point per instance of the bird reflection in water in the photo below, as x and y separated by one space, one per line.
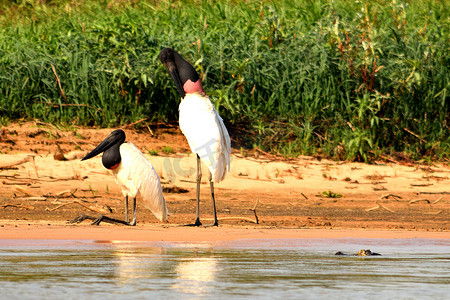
190 271
138 262
196 275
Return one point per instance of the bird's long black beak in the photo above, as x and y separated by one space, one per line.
167 58
117 136
173 71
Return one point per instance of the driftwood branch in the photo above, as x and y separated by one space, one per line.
12 165
75 202
419 200
234 218
17 205
134 123
379 206
62 194
390 195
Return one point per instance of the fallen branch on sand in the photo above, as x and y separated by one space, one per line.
419 200
421 184
235 218
17 205
379 206
444 193
23 191
76 202
11 166
390 195
439 199
256 221
62 194
33 198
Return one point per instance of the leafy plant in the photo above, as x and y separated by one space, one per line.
345 79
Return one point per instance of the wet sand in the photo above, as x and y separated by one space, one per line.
23 230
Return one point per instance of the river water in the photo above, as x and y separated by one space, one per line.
244 269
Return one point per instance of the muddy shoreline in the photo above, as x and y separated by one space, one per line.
301 195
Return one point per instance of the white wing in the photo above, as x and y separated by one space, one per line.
136 175
206 134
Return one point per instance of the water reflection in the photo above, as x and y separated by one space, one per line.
301 269
195 275
132 263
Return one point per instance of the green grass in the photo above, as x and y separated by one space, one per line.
167 150
346 79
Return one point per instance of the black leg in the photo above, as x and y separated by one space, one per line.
126 209
211 185
199 179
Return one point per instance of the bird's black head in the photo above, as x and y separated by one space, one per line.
110 146
183 73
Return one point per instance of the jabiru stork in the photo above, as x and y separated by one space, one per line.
133 173
199 121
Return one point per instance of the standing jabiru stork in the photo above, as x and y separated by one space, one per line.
199 121
133 173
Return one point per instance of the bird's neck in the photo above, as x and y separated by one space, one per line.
193 87
111 157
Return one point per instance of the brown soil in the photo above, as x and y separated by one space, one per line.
36 187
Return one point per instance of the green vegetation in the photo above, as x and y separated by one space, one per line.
347 79
167 150
330 194
153 152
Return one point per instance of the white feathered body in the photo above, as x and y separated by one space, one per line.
135 175
206 134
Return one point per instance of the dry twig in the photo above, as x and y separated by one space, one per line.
390 195
22 161
373 208
418 200
439 199
134 123
72 202
386 208
62 194
17 205
234 218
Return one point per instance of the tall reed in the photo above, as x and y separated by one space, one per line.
349 79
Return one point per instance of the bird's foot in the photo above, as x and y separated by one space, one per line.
197 223
102 218
215 224
106 219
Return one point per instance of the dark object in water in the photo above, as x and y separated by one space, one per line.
362 252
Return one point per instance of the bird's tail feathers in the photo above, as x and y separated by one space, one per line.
221 169
154 201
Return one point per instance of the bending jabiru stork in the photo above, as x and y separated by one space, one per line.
133 173
199 121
